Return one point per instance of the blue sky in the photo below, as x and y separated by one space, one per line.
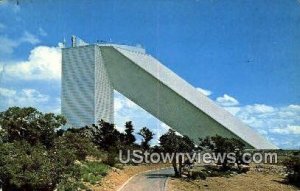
244 53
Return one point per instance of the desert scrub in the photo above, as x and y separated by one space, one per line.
93 171
293 169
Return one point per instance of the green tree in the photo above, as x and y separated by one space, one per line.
31 125
77 142
147 137
223 146
3 136
129 138
173 144
106 136
26 167
32 156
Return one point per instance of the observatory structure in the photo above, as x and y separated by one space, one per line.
91 73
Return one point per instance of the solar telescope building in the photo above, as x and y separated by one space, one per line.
91 72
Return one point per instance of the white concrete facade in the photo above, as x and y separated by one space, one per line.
87 95
98 69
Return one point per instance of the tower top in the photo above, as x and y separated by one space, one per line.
76 41
73 41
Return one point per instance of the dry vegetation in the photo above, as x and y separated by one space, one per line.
257 179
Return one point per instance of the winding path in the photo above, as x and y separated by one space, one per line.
149 181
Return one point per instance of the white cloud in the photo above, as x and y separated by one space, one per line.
22 98
28 98
158 131
7 45
44 63
29 38
204 91
290 129
263 132
268 117
54 106
121 102
294 107
126 110
118 104
259 108
233 110
7 92
131 104
227 100
281 125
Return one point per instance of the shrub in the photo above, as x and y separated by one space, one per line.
198 174
293 169
32 156
93 171
26 167
30 125
71 186
111 158
222 145
81 145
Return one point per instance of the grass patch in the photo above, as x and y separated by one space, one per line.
93 171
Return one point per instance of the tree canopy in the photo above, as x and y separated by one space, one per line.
129 138
173 143
147 137
30 125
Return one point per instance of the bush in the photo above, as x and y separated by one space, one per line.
111 158
293 169
35 155
223 146
30 125
198 174
26 167
93 171
71 186
82 146
220 173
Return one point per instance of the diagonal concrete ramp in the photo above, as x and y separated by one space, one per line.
165 95
90 73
